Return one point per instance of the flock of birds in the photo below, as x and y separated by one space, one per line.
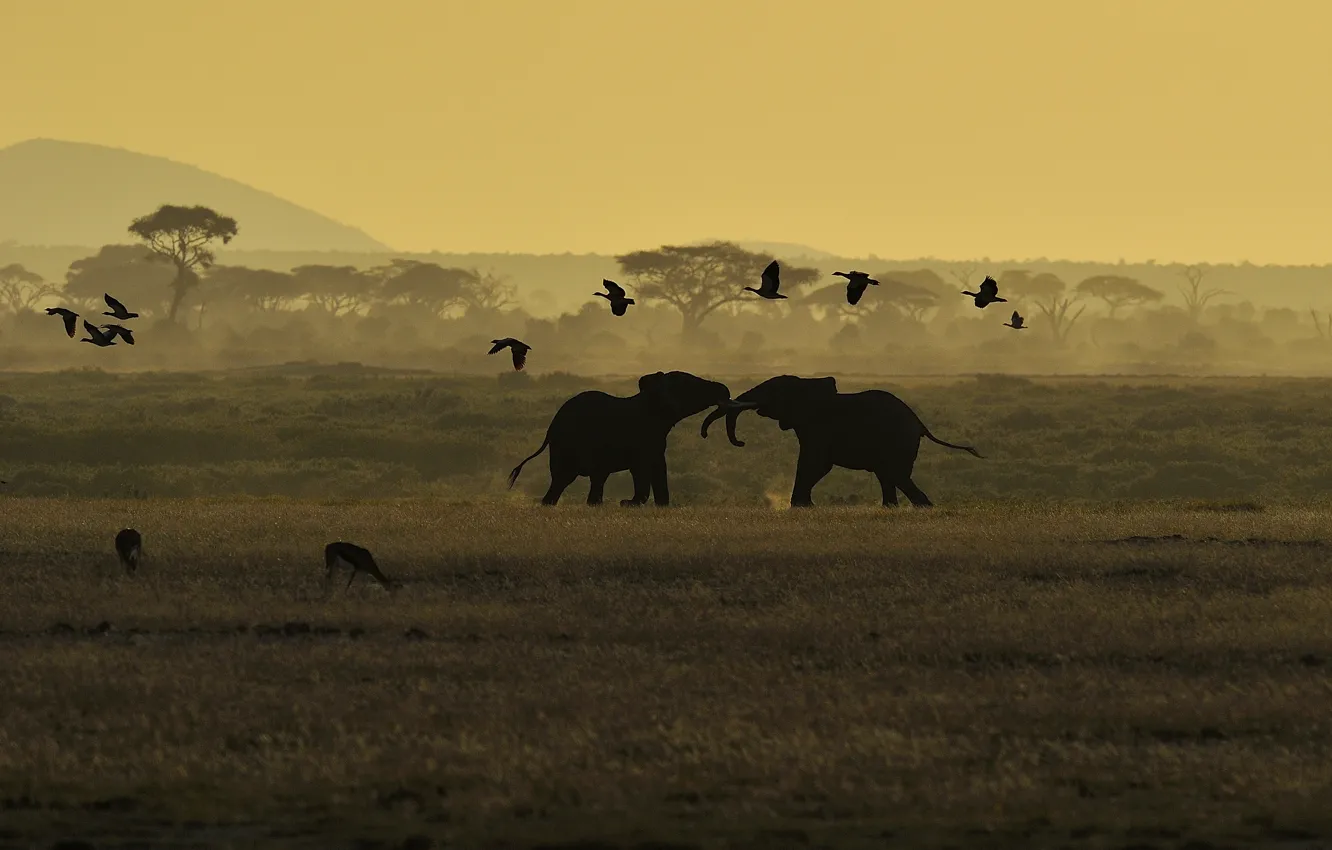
99 336
770 282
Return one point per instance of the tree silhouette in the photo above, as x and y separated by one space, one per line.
697 279
338 289
182 235
264 290
1195 297
1118 291
1046 292
21 289
127 272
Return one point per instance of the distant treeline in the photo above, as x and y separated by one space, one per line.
439 312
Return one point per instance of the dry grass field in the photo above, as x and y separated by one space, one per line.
984 675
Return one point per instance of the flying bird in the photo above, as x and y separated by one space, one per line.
989 293
118 310
70 317
855 285
96 337
771 280
343 554
616 297
120 331
129 545
520 350
1016 323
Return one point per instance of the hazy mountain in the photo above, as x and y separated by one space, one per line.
70 193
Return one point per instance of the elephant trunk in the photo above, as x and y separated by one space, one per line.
731 410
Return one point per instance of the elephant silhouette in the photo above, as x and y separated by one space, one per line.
595 434
872 430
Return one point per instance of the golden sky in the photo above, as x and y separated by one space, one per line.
1090 129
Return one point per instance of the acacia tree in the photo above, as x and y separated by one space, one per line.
1046 292
183 236
126 271
1118 291
265 290
338 289
21 289
427 287
1195 296
697 279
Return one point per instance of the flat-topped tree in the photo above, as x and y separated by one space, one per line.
697 279
183 236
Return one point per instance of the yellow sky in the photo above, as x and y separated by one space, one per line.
1167 129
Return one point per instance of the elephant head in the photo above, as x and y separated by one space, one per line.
786 398
676 395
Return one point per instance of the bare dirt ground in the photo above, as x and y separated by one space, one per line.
1149 675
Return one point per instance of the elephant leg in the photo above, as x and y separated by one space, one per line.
561 476
642 486
661 492
914 493
598 488
889 487
810 469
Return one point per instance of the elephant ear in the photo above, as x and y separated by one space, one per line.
656 387
812 391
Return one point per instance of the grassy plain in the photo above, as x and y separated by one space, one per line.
981 675
316 432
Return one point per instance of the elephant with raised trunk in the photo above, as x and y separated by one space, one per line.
871 430
595 434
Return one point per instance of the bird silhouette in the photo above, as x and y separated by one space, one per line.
120 331
1016 323
520 350
856 282
96 337
616 297
118 310
129 545
71 318
989 293
771 280
343 554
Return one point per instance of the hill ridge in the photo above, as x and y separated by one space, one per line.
60 192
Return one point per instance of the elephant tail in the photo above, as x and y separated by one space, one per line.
513 476
942 443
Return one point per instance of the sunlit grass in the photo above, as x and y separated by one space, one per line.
682 674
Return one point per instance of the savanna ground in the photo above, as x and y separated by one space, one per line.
1089 669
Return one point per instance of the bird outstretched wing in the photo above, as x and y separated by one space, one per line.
772 276
989 287
519 357
619 306
1016 320
853 293
615 290
114 304
71 323
499 345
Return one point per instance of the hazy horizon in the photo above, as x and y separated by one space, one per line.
1183 131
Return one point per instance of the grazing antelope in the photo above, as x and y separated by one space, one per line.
70 317
343 555
616 297
989 293
118 310
771 280
129 546
520 350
